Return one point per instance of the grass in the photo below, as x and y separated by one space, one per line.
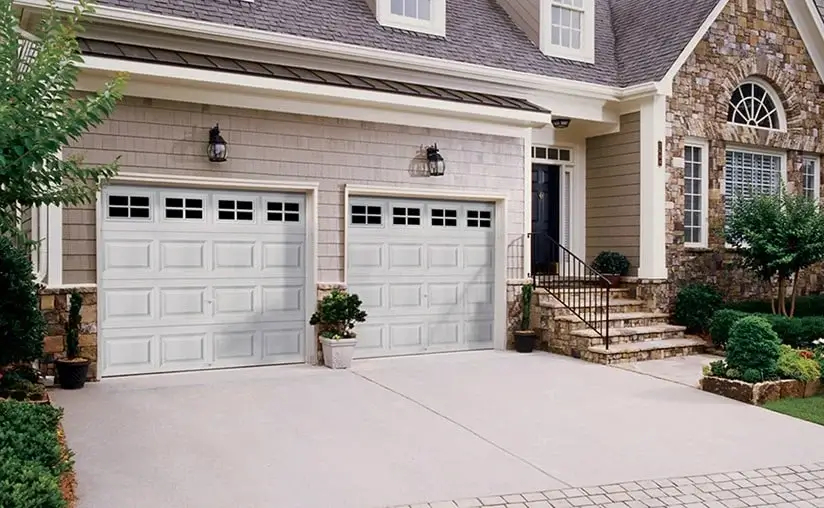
811 409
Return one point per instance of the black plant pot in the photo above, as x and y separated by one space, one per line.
525 341
72 374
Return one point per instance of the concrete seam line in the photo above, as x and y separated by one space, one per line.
462 426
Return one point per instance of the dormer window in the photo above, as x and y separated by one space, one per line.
568 29
427 16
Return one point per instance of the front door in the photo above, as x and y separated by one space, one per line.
546 213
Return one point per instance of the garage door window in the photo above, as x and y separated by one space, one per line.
478 219
236 210
406 216
184 208
366 215
282 211
444 217
129 207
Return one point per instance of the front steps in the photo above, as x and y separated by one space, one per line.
636 331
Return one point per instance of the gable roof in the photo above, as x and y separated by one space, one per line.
636 41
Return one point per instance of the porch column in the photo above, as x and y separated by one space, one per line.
653 241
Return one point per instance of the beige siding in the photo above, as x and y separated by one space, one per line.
527 15
613 191
169 138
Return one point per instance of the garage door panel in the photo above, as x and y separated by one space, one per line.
407 335
406 297
479 332
367 258
372 296
445 333
405 257
443 256
371 339
478 256
445 295
188 286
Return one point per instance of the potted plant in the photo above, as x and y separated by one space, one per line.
525 336
335 318
612 265
73 369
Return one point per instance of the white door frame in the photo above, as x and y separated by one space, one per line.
500 202
309 189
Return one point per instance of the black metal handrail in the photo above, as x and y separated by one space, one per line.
577 286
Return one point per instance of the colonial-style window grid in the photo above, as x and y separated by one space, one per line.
548 153
403 216
282 211
417 9
695 193
367 215
427 16
811 177
747 174
444 217
755 105
129 207
478 219
235 210
567 23
184 208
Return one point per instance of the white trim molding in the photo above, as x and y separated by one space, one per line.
653 241
500 201
702 145
586 50
434 23
815 161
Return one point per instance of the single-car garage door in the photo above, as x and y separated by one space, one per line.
194 279
424 270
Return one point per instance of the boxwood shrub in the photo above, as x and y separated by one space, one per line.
31 458
804 306
798 332
695 305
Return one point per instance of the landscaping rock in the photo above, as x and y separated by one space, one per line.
759 393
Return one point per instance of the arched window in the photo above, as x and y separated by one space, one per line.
754 104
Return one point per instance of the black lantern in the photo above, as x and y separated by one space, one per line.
217 145
434 160
561 123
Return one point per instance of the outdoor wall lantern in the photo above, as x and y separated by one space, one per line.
434 160
217 145
561 123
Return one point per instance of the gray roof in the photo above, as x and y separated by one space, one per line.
635 40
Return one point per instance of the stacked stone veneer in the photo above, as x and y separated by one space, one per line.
54 303
751 38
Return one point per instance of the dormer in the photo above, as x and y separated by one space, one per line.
426 16
561 28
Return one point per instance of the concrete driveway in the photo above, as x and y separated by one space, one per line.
406 430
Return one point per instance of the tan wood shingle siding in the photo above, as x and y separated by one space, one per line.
169 138
613 191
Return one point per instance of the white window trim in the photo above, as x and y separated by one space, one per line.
436 25
705 157
782 115
587 51
816 176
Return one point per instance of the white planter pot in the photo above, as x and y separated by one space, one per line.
337 354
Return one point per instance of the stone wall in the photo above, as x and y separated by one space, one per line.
751 38
54 303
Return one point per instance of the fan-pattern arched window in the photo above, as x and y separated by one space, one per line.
754 105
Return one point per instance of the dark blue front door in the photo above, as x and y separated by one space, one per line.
546 214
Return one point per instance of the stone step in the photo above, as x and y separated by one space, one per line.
633 334
621 293
616 319
616 305
647 350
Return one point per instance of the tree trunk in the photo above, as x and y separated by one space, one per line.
795 291
782 308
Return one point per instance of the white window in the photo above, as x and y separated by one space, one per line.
695 193
478 219
568 29
367 215
551 154
184 208
811 177
129 207
235 210
747 174
282 211
403 216
444 217
428 16
755 104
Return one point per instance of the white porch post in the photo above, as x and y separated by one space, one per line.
653 241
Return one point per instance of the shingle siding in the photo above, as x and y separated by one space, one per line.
158 137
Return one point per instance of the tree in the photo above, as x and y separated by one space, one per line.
777 236
40 113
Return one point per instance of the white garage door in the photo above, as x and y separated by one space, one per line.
424 270
195 279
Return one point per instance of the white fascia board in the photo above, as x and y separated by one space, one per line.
284 42
320 93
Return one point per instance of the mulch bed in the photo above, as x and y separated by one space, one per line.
68 483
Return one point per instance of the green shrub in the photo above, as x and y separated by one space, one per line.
718 368
22 326
526 306
721 324
804 306
753 346
792 365
753 376
695 306
337 314
611 263
31 458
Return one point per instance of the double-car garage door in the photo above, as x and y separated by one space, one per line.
195 279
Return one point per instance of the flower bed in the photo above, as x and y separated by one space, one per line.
759 393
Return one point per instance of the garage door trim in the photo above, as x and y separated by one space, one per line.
308 189
498 200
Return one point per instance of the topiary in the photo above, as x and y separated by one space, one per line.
611 263
793 365
753 346
695 306
721 324
22 325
